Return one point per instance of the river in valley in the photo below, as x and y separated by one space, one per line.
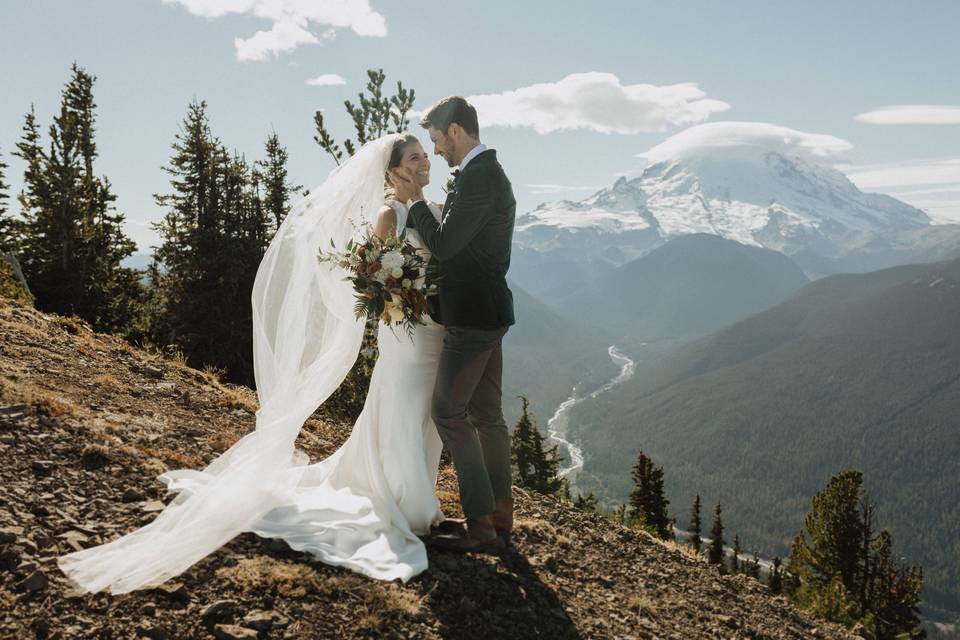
558 426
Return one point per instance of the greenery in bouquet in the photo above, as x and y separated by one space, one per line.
389 279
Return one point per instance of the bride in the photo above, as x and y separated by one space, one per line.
364 506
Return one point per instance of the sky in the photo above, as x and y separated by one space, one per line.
572 95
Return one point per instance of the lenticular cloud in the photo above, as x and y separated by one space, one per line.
729 135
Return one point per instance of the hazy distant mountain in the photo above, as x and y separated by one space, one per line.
853 371
692 285
545 355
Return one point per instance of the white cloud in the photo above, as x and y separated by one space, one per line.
931 185
912 114
292 21
904 174
746 134
327 80
595 101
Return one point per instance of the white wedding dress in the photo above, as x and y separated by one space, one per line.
364 506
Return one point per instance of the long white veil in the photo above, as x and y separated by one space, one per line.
306 338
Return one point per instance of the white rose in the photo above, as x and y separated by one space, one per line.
393 261
397 273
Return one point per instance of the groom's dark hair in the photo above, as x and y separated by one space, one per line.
449 110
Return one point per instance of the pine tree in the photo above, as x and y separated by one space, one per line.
586 502
776 577
841 571
716 537
221 214
620 514
648 505
534 467
4 233
752 568
12 283
277 188
373 116
735 558
71 238
695 525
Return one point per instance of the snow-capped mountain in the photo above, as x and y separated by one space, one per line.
754 196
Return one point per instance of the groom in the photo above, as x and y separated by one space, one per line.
472 248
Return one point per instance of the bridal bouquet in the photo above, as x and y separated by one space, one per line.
389 279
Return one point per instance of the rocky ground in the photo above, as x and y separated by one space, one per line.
88 422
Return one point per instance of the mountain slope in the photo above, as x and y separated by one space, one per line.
87 423
690 286
545 355
853 371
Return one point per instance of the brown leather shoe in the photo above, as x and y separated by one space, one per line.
502 522
477 536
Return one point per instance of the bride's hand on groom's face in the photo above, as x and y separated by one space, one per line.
405 184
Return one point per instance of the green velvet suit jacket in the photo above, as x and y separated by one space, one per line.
471 246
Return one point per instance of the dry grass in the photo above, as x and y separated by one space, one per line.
109 382
289 579
47 402
396 599
682 547
182 460
154 466
222 440
237 398
641 604
175 355
73 325
95 456
214 374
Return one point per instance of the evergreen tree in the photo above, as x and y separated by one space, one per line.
695 529
620 514
776 577
277 188
5 232
752 568
374 116
586 502
71 239
716 537
221 214
840 570
12 283
735 558
534 467
648 505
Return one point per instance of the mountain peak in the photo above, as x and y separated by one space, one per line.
781 197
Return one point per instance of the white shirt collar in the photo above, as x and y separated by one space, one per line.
473 153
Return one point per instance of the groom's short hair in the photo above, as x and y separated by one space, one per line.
449 110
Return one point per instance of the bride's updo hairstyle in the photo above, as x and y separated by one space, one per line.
396 155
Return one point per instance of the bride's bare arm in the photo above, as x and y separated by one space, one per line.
386 222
